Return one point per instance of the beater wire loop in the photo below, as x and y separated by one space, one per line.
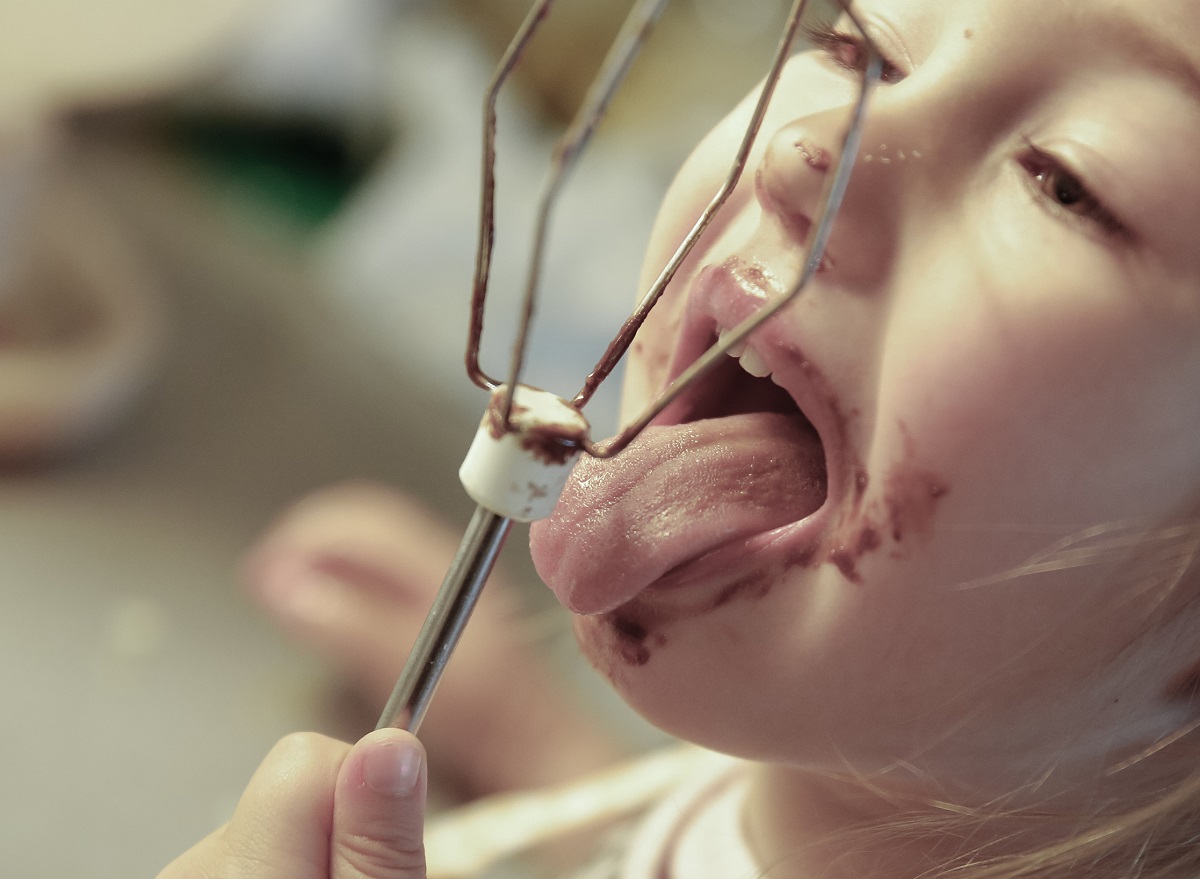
831 199
633 35
487 209
492 522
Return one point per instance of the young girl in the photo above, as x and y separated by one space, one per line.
937 590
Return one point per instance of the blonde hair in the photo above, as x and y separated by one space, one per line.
1160 840
1157 838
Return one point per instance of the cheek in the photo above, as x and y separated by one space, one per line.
1046 392
1001 353
813 662
821 671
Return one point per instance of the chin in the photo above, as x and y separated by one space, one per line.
678 683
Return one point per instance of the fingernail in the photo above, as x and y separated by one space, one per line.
392 768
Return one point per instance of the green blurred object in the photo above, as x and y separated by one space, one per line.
298 171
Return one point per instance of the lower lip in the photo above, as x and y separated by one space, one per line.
742 570
631 634
795 545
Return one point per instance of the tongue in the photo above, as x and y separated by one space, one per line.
674 495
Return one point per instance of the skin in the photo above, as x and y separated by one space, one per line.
1001 376
351 571
1013 374
320 809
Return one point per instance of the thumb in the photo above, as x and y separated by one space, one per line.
379 809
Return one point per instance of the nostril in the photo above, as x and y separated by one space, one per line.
814 156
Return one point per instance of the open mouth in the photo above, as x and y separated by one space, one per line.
743 384
730 472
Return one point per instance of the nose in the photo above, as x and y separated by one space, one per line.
793 177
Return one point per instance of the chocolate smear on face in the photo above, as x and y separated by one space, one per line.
911 500
756 585
911 494
846 556
631 639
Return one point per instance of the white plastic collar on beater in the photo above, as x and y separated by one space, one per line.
520 472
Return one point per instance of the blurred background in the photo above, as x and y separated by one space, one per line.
236 244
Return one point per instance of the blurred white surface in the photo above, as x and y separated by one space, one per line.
57 50
140 688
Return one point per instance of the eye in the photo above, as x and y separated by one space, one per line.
848 51
1063 191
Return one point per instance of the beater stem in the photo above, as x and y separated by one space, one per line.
476 556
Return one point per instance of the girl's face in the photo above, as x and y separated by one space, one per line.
999 359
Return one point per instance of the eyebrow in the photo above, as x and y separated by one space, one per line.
1150 49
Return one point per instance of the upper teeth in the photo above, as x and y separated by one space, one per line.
750 359
753 363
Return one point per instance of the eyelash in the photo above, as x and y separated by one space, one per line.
835 43
1066 194
1056 187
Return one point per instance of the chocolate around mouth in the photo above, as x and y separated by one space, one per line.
730 461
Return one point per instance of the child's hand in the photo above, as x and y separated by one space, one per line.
351 571
320 809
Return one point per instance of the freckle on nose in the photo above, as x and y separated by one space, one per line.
815 156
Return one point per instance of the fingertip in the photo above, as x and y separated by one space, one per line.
392 762
379 809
